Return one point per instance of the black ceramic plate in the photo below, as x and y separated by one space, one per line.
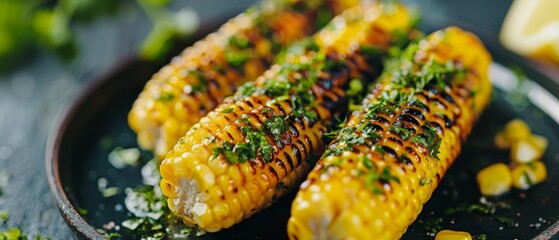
76 159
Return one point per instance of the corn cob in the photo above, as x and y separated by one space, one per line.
259 143
384 165
196 81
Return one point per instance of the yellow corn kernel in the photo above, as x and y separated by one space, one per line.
528 150
196 81
494 180
238 165
514 130
453 235
540 142
526 175
373 186
517 129
501 141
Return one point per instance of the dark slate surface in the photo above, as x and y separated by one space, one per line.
32 97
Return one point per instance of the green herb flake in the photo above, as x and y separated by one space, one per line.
404 133
82 211
111 191
425 181
281 186
247 89
276 126
368 163
164 97
237 58
432 225
387 176
228 110
479 237
371 180
430 140
508 222
379 149
527 178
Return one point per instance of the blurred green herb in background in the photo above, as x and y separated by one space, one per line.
31 25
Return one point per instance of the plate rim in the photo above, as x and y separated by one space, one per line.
68 112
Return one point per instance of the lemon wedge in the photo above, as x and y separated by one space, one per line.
531 28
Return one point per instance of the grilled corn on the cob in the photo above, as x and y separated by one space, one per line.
257 144
384 165
196 81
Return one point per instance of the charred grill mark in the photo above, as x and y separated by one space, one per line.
396 140
229 135
437 126
377 127
421 105
408 118
249 103
381 119
310 144
273 173
439 103
447 97
303 149
297 152
414 112
300 122
447 122
289 160
390 151
293 130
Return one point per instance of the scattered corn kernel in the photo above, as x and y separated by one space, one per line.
453 235
528 150
501 141
514 130
540 142
526 175
517 129
494 180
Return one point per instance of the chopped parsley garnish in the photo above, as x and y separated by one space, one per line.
239 42
228 110
432 225
404 133
292 83
430 140
276 126
368 163
508 222
425 181
164 97
480 237
237 58
255 143
247 89
527 178
281 186
202 85
386 176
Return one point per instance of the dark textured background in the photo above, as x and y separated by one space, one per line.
31 97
